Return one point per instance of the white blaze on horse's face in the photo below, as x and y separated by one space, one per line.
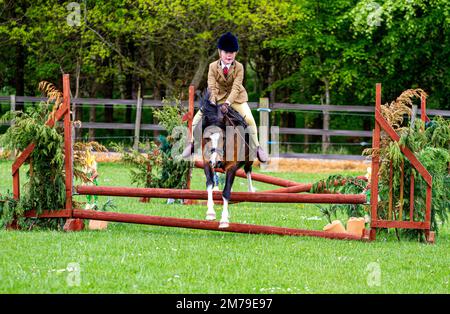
214 142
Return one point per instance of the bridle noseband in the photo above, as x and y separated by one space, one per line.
216 150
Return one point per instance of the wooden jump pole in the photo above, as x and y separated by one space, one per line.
206 225
235 196
258 177
287 185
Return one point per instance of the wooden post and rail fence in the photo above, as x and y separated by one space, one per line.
263 106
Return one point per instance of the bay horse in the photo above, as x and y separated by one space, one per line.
226 146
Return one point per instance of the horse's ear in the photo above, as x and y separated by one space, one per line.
203 97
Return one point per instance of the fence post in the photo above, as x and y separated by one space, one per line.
13 108
137 125
264 125
274 148
13 102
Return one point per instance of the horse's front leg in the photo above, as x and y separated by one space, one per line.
248 173
210 213
225 219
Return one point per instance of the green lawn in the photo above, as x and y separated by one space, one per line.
150 259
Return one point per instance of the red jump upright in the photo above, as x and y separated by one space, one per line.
391 222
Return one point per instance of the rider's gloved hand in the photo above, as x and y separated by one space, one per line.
224 108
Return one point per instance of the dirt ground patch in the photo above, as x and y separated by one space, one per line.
316 165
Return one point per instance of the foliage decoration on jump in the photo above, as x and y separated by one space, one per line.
397 174
158 167
430 142
344 185
45 188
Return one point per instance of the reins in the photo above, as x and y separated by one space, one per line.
231 121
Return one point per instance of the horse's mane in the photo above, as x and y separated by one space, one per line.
211 113
213 116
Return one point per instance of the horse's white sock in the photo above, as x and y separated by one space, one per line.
210 214
224 221
250 183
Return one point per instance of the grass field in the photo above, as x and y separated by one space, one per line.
129 258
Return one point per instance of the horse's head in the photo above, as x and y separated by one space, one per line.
213 136
216 132
213 149
213 129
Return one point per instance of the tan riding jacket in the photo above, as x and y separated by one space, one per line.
228 89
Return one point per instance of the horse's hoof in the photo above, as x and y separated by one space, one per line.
223 225
210 217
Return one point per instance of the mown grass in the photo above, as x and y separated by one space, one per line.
150 259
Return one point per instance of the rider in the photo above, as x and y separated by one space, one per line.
226 89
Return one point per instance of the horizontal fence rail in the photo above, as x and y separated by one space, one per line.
324 156
301 131
121 126
150 103
253 105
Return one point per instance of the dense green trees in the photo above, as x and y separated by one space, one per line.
299 51
166 45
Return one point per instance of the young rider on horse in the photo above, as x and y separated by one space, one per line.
225 84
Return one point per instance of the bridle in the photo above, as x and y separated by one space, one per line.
216 150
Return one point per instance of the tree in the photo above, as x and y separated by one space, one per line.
344 47
321 40
410 49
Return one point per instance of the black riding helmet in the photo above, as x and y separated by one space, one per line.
228 42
